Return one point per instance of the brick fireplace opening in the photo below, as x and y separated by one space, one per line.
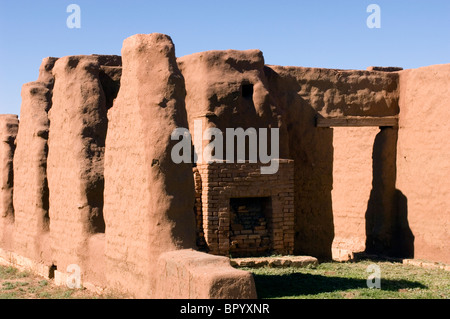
249 228
241 212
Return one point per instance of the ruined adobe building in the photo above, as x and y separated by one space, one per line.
88 179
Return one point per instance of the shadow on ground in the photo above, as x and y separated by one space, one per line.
291 285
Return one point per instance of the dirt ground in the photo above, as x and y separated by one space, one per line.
16 284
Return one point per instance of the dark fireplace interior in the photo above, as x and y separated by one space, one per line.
250 233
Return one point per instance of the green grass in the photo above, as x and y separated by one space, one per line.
349 281
11 272
326 281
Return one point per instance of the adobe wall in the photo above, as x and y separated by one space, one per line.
423 165
88 179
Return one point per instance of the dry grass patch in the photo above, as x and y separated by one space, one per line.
16 284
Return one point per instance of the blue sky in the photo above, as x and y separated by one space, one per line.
321 33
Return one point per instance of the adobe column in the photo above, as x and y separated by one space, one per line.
30 168
8 131
149 200
78 125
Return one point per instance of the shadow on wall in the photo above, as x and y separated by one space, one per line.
312 150
403 238
387 229
109 77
